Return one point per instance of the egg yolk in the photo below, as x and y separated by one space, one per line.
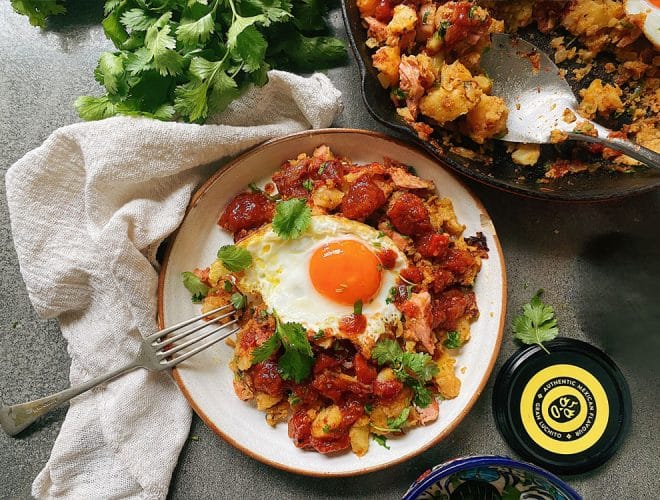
345 271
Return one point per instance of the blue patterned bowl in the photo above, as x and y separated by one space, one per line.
489 478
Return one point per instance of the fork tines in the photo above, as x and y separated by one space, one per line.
165 345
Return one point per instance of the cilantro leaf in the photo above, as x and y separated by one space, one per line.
412 368
251 46
95 108
265 350
292 218
137 20
381 440
239 24
234 258
238 300
453 340
537 323
193 32
111 69
38 10
194 285
400 420
294 335
295 365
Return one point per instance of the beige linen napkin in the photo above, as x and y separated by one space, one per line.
88 208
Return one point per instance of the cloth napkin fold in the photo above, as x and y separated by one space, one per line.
88 210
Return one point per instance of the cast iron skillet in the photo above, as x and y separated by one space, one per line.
502 173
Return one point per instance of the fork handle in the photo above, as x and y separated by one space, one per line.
15 418
646 156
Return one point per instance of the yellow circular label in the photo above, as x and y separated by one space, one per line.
564 409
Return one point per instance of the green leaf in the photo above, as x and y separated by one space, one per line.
308 15
251 46
194 285
420 364
223 91
238 300
158 39
113 29
381 440
234 258
137 20
294 335
190 100
292 218
308 184
95 108
295 365
193 32
110 5
422 396
387 351
453 340
537 324
111 67
203 69
239 24
169 62
400 420
265 350
38 10
297 52
138 61
357 307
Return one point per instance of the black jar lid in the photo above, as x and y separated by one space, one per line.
567 411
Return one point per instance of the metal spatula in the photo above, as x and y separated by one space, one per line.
537 97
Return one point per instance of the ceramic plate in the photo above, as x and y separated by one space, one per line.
206 379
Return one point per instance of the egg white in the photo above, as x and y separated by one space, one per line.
280 275
651 25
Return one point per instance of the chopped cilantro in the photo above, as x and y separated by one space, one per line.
292 218
326 428
357 307
228 286
319 335
293 399
195 286
308 184
453 340
412 368
234 258
238 300
381 440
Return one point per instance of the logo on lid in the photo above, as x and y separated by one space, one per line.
564 409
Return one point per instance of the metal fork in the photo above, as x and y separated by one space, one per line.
157 352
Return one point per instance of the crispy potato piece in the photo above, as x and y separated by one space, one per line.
327 198
359 436
446 381
386 60
443 217
526 154
487 119
390 408
277 413
328 419
600 99
265 401
457 94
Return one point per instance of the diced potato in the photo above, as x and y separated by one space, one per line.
328 419
386 60
359 436
217 272
457 94
526 154
446 381
404 19
601 99
265 401
487 119
485 83
390 409
327 198
277 413
443 217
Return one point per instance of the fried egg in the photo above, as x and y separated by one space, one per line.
651 26
316 279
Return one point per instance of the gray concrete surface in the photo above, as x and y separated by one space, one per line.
597 262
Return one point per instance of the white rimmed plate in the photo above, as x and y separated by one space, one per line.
206 379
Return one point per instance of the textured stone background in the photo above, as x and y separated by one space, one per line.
597 262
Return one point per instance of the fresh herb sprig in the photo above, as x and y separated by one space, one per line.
187 59
298 358
412 368
537 323
195 286
234 258
292 218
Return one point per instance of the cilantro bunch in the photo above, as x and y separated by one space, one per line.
537 323
187 59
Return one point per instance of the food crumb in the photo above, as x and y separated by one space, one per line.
568 116
558 136
526 154
194 438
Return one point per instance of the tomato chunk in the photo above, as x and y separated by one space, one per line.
433 245
387 258
364 371
409 216
266 378
353 324
247 211
363 198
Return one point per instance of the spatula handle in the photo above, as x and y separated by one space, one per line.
639 153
